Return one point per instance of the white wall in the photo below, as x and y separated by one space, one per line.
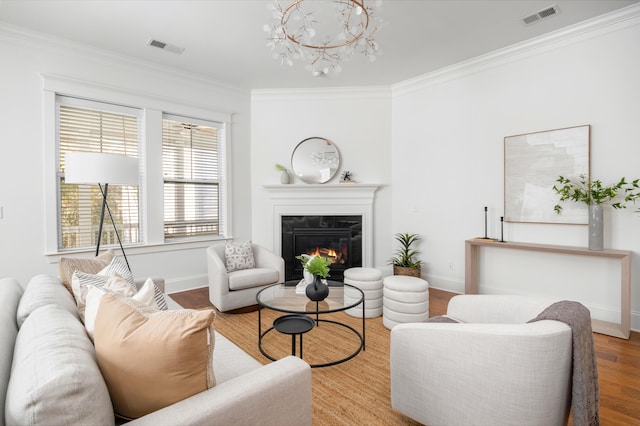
434 143
448 131
26 57
358 121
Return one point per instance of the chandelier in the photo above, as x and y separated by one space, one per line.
311 31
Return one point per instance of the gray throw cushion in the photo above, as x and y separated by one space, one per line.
55 379
44 290
10 293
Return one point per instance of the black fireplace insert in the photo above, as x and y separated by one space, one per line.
338 238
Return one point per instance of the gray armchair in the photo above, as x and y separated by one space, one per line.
238 289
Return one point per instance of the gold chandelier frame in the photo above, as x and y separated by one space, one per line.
290 40
286 13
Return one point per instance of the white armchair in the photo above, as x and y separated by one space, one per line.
238 289
494 368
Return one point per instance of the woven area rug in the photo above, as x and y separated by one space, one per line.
356 392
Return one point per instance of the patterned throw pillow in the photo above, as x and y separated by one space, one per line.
238 256
68 265
81 281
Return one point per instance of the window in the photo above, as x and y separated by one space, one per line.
191 163
95 127
182 194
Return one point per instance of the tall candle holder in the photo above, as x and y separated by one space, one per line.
502 229
485 228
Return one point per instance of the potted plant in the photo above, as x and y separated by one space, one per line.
595 195
404 260
284 174
318 267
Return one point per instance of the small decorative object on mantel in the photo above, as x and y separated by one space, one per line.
284 174
596 196
485 229
502 229
318 267
404 261
347 177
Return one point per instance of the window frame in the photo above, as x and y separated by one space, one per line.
150 157
63 100
220 153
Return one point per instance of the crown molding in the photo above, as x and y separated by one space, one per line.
335 93
37 40
70 86
614 21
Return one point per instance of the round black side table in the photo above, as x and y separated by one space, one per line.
294 325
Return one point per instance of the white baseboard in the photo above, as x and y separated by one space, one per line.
192 282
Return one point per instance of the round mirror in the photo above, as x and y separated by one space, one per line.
315 160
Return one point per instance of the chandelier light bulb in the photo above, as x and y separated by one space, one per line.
295 26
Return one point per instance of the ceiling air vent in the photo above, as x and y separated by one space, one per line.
545 13
166 46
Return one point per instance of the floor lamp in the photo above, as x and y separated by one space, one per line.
101 168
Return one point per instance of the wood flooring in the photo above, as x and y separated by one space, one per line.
618 363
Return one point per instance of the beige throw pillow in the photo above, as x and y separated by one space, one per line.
152 360
145 296
109 278
238 256
68 265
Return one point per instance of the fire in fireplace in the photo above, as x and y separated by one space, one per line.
338 238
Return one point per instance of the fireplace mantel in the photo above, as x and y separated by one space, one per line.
318 190
323 199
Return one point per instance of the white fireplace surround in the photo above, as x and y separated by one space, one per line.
323 199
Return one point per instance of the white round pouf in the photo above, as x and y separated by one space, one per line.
369 280
405 299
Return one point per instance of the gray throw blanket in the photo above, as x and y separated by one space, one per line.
585 394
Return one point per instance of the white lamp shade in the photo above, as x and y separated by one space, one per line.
97 167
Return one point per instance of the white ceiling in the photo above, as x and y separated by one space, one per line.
225 41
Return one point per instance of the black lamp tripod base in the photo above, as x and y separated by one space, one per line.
105 206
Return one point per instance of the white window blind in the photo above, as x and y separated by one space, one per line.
95 127
191 169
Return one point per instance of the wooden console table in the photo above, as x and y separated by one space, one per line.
472 251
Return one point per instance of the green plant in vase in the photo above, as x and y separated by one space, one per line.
404 260
596 195
318 267
284 174
593 192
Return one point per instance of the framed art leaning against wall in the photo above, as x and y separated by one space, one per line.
532 163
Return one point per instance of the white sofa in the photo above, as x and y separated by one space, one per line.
238 289
494 368
49 375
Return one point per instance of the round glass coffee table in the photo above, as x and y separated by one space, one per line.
283 297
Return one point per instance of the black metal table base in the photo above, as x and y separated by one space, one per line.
294 325
317 312
326 364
